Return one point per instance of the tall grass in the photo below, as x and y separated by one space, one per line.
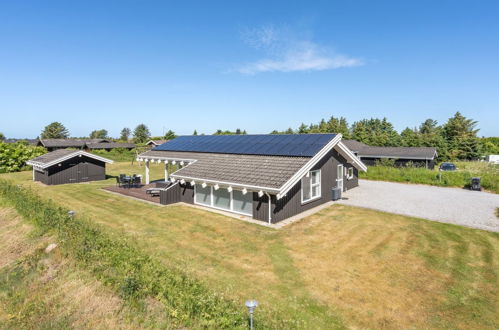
488 173
122 266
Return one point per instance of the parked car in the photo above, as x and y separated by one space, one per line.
447 167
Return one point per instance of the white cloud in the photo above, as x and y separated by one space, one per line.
285 54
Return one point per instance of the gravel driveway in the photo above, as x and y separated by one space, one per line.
452 205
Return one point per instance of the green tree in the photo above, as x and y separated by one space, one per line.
125 134
170 135
289 131
410 138
338 125
375 132
141 133
55 130
461 135
13 156
429 126
2 137
99 134
303 129
195 132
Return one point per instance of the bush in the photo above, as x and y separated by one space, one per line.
118 154
130 272
13 156
488 173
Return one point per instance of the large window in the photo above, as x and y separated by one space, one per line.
242 203
234 201
221 199
311 186
203 195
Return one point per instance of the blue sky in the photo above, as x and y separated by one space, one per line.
255 65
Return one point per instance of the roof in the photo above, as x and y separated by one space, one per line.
51 158
28 141
293 145
399 152
156 142
271 173
354 145
69 143
246 170
364 150
110 145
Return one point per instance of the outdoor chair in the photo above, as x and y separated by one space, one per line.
118 181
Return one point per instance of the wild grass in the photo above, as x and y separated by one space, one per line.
49 291
489 174
342 267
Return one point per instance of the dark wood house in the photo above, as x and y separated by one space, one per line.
242 173
68 166
402 156
84 144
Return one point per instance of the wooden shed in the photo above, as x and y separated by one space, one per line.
68 166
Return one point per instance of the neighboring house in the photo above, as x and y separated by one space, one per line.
90 144
28 141
109 146
155 143
68 166
420 156
241 173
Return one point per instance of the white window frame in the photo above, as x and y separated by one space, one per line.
212 199
312 198
350 173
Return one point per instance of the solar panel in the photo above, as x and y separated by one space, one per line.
306 145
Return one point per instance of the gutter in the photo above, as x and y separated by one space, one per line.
270 208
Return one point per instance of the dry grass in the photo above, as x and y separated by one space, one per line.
39 290
343 266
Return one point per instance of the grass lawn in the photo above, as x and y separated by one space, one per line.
489 173
342 267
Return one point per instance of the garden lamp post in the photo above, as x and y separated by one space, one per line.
251 304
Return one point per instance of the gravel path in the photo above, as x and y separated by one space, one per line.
451 205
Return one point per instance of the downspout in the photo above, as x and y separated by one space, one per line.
270 208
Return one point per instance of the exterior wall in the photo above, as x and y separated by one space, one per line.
74 170
291 204
42 177
370 161
177 193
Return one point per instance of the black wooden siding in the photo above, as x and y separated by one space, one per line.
400 162
177 193
74 170
291 205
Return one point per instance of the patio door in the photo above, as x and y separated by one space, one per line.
339 177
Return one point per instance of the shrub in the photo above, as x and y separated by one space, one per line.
13 156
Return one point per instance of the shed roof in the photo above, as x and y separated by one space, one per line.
51 158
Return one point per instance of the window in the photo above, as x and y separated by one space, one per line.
350 173
242 203
311 186
233 201
221 199
203 195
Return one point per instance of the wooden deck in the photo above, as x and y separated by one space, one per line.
136 192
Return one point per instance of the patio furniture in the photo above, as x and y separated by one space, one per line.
154 191
118 181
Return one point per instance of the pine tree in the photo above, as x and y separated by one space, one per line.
125 134
55 130
461 136
170 135
141 133
195 132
